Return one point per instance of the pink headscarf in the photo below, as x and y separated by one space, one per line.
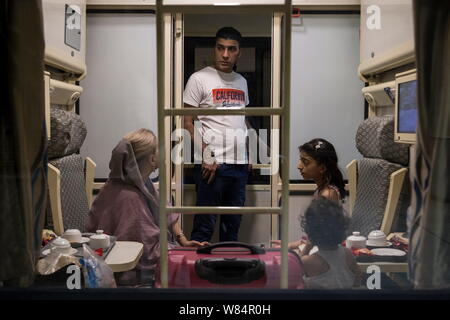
124 167
110 210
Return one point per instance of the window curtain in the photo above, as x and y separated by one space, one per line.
23 184
430 212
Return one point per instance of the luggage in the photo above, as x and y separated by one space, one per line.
230 265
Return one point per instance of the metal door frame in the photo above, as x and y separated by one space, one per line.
169 17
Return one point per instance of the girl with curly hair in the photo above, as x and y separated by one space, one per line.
333 266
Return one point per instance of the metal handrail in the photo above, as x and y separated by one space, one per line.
224 210
253 111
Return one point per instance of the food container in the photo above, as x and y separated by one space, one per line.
73 235
377 238
356 240
99 240
62 246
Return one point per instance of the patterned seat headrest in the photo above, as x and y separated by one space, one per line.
375 139
67 135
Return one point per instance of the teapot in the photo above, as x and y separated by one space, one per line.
99 240
73 235
377 238
356 240
61 245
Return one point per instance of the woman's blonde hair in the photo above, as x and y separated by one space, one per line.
143 141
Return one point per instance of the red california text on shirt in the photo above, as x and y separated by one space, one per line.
232 96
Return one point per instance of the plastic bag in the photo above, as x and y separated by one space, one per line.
97 274
53 261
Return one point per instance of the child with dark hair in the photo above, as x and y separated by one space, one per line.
319 162
332 266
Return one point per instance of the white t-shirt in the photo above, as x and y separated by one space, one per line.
226 135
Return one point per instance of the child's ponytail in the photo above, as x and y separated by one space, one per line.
334 177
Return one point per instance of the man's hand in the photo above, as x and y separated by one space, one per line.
209 164
209 171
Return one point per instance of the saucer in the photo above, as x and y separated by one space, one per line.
386 244
47 251
388 252
83 240
75 244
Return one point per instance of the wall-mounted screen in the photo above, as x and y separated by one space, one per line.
406 107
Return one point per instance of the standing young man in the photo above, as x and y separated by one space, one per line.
222 177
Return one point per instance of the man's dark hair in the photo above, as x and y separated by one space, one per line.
229 33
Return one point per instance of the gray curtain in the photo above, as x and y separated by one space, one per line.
430 215
23 184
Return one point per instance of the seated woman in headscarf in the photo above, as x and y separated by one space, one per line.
128 205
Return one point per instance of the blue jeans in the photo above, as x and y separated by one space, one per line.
227 189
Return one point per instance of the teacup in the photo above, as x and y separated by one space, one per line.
377 238
73 235
61 245
99 240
